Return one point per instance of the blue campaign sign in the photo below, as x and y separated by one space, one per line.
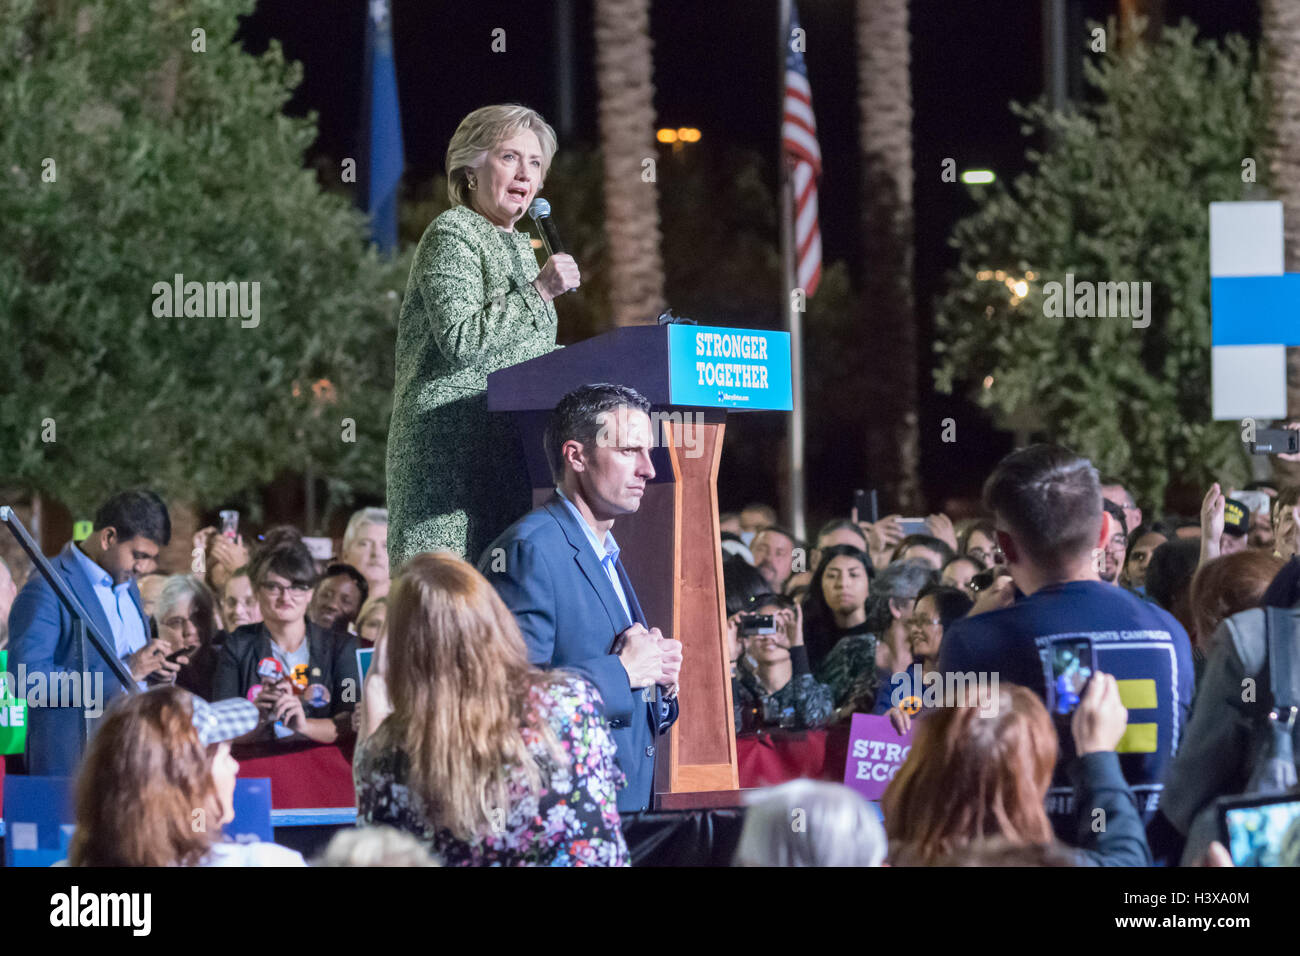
1255 310
38 820
252 808
729 368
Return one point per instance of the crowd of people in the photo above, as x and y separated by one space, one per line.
491 727
1170 612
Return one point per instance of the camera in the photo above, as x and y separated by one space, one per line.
757 624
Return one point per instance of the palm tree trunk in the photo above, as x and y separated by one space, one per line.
1280 39
624 78
889 312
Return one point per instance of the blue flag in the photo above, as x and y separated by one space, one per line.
382 129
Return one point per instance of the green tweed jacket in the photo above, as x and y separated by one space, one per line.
455 471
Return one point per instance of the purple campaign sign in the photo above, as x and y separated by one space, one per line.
876 751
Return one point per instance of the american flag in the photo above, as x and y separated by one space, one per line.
804 156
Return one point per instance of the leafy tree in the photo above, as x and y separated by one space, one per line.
1119 194
171 154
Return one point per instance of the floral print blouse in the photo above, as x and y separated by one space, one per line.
573 822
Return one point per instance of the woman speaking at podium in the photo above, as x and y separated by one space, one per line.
475 302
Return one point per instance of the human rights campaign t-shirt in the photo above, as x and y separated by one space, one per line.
1141 645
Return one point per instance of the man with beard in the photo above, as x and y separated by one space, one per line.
774 551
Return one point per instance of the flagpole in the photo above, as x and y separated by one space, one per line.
794 490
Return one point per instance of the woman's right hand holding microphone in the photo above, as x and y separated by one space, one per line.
558 276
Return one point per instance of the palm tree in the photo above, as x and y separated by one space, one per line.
889 313
1280 39
624 79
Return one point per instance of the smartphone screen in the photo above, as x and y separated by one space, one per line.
1070 664
914 526
866 503
1266 834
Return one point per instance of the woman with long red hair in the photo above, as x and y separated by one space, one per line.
973 776
157 783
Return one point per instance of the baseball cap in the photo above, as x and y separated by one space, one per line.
1236 517
224 720
1255 501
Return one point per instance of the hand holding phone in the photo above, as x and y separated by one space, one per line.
181 656
1283 442
1261 829
1100 717
911 526
999 592
866 506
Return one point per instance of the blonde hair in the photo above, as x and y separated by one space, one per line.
480 131
372 604
462 693
375 846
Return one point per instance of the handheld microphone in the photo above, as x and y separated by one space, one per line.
540 211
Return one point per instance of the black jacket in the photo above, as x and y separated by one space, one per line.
1110 830
332 661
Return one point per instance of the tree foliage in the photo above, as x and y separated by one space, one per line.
1119 194
169 160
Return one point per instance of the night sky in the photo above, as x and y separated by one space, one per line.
716 68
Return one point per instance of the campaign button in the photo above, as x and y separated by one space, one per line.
318 695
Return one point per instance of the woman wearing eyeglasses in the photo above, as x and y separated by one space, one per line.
937 606
302 677
979 541
185 616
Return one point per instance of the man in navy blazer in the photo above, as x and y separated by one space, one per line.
60 688
558 570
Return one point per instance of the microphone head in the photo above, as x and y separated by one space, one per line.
539 208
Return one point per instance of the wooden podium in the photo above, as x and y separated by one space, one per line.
692 376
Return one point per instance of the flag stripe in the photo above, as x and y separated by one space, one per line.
803 155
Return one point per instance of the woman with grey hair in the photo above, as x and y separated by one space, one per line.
185 618
475 302
810 823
